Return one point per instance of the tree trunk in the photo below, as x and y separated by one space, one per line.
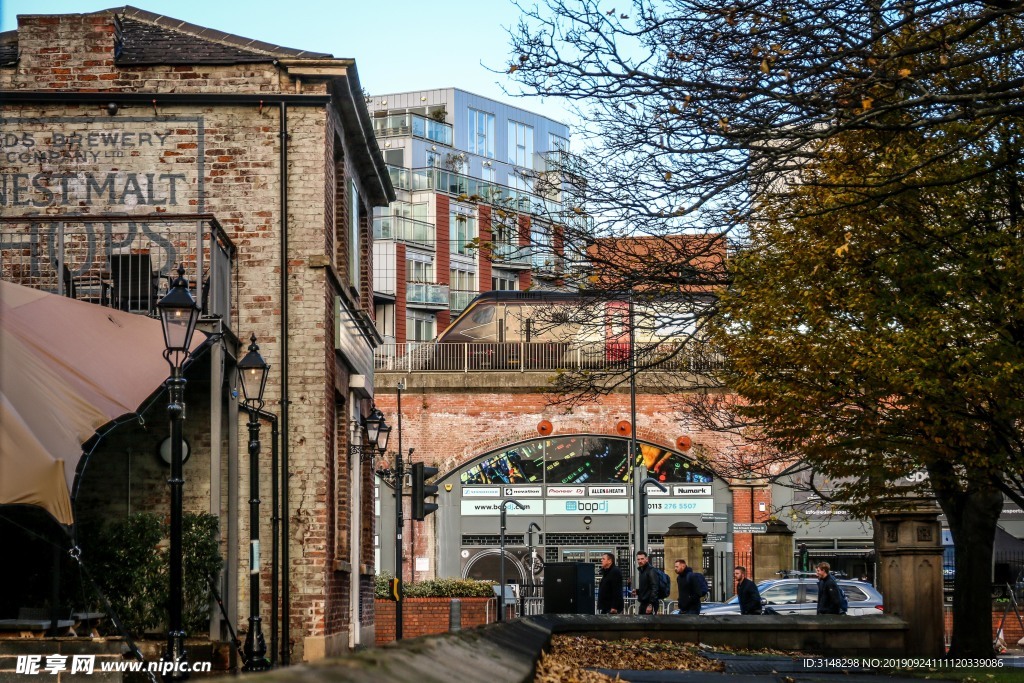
972 516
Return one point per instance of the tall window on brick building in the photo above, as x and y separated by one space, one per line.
463 288
419 326
463 233
355 246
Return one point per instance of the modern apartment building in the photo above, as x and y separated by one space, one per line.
478 209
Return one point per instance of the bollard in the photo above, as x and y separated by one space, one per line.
455 615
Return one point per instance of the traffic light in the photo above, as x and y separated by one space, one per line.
421 490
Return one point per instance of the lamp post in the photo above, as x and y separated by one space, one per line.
252 375
642 517
501 557
178 317
636 469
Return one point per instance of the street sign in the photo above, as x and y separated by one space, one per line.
716 538
713 517
749 528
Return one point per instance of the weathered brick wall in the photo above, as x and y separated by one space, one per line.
227 158
427 616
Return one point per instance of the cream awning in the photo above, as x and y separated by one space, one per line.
67 368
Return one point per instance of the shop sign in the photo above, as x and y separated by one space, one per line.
588 506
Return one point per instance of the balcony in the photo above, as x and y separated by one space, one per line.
547 357
475 189
514 256
460 299
400 178
404 229
399 125
426 295
122 263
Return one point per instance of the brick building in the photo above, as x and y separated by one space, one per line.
133 142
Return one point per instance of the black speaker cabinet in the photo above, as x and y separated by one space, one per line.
569 588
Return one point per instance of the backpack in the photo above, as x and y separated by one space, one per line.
664 583
701 583
844 604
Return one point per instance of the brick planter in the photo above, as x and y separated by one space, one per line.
428 616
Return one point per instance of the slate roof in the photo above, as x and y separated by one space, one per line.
146 38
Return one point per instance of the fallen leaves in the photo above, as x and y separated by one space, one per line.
570 656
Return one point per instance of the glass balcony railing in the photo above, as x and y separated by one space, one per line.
397 125
502 252
424 293
403 229
482 190
399 177
547 262
460 299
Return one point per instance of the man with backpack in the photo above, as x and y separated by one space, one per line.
690 589
648 585
830 596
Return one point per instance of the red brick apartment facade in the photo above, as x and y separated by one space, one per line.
132 128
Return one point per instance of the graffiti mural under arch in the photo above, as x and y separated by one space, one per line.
579 459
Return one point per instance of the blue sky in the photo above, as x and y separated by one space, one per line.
398 44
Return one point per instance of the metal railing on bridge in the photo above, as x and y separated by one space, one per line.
541 357
120 262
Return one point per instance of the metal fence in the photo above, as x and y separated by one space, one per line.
119 263
1007 573
538 356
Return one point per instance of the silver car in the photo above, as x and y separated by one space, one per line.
800 596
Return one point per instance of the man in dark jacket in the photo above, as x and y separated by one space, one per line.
689 594
647 586
828 591
609 592
746 591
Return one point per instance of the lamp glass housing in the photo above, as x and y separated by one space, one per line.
382 437
178 316
252 374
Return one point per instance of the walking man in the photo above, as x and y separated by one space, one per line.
609 592
828 591
746 591
689 594
647 586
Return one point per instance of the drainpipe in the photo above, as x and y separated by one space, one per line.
285 555
275 525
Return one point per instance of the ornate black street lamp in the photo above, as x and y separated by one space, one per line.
377 434
252 375
178 316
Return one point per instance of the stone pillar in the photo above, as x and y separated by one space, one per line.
773 551
909 546
683 542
